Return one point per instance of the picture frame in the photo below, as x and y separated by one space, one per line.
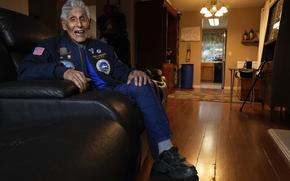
190 33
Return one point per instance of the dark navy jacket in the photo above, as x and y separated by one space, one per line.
50 57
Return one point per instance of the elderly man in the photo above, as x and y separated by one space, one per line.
76 57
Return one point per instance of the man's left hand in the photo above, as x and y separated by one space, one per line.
139 77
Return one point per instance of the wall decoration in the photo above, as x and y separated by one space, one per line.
190 33
188 52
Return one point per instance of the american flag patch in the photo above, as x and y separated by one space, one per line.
38 51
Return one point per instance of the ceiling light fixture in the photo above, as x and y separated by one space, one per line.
213 8
213 21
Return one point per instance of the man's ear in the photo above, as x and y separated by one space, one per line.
64 26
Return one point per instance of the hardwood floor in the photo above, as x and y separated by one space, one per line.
224 143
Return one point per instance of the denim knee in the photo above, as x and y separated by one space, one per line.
144 89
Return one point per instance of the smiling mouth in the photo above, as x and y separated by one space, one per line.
79 32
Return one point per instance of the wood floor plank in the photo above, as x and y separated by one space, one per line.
206 164
224 143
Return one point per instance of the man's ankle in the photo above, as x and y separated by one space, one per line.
164 145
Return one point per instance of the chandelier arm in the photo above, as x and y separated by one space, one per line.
215 8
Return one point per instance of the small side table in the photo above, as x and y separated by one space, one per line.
233 73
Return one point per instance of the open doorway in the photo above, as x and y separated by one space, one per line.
214 35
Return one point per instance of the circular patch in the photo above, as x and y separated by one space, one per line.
68 64
99 51
103 66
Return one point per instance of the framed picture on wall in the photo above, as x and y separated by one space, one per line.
190 33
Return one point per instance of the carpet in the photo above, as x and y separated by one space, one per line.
205 95
282 139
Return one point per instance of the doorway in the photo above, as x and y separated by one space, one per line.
213 53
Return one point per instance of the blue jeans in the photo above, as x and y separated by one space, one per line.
154 115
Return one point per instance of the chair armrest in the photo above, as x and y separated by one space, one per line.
38 89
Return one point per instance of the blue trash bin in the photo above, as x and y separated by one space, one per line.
186 76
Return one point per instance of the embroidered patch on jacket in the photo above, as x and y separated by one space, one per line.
64 51
64 54
100 56
99 51
38 51
103 66
68 64
91 50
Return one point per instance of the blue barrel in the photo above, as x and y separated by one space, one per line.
186 76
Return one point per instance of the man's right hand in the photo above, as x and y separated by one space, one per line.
79 78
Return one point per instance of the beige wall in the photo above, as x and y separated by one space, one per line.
239 21
20 6
191 19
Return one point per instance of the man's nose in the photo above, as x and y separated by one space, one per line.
79 23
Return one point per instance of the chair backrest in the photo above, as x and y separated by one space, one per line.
18 36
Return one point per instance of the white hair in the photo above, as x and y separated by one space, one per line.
69 5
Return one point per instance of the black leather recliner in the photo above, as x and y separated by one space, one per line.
49 131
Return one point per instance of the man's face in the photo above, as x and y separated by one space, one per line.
77 25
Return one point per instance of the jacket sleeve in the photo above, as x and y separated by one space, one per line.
120 71
41 65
